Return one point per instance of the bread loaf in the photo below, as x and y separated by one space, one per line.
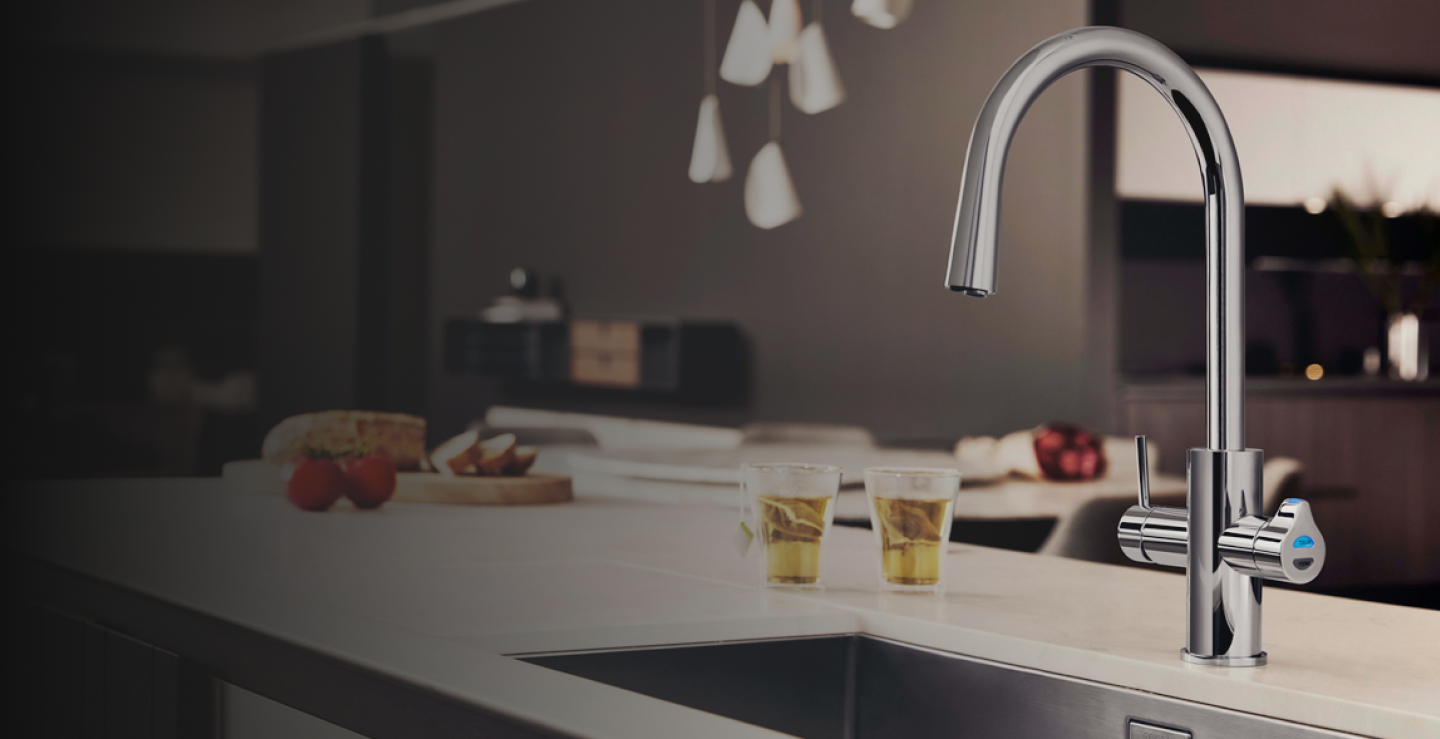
397 437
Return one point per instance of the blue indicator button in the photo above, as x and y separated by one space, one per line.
1293 501
1304 542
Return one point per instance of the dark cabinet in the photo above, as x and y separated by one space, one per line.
79 680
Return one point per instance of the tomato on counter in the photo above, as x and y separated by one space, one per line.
316 484
371 481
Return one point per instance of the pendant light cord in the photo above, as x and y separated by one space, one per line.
710 47
774 107
817 8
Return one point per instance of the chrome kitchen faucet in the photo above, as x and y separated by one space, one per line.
1221 537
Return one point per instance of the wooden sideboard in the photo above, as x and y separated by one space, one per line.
1371 452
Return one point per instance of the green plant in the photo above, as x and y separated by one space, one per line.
1370 246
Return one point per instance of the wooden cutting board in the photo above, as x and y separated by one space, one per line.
259 476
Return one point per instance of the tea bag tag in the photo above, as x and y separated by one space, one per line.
742 539
743 535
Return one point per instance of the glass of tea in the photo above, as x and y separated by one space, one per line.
793 506
910 512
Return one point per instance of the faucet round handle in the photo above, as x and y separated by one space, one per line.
1288 547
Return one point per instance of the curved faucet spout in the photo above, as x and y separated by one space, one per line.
977 221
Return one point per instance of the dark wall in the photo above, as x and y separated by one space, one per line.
562 138
344 229
130 247
137 152
310 229
1380 39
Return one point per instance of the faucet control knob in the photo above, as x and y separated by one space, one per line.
1287 547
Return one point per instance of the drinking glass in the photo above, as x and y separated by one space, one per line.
793 506
911 510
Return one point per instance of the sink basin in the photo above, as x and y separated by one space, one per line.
861 687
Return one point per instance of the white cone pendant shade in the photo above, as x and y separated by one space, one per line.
710 159
881 13
784 30
748 57
814 82
770 198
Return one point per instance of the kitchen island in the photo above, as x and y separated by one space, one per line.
406 621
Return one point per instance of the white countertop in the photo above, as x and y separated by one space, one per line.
434 594
1002 497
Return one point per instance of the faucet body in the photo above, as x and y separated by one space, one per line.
1220 535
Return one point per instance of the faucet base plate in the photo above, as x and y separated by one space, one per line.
1223 660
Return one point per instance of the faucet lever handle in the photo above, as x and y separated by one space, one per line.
1142 463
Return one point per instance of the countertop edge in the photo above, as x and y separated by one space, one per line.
239 608
200 633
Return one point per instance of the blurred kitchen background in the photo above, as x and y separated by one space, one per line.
230 212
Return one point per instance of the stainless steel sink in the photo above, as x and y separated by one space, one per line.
861 687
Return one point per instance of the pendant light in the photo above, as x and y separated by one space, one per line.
710 158
784 29
770 198
748 56
881 13
814 82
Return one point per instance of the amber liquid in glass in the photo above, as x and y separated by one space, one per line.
910 541
791 529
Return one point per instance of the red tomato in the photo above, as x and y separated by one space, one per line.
372 481
315 485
